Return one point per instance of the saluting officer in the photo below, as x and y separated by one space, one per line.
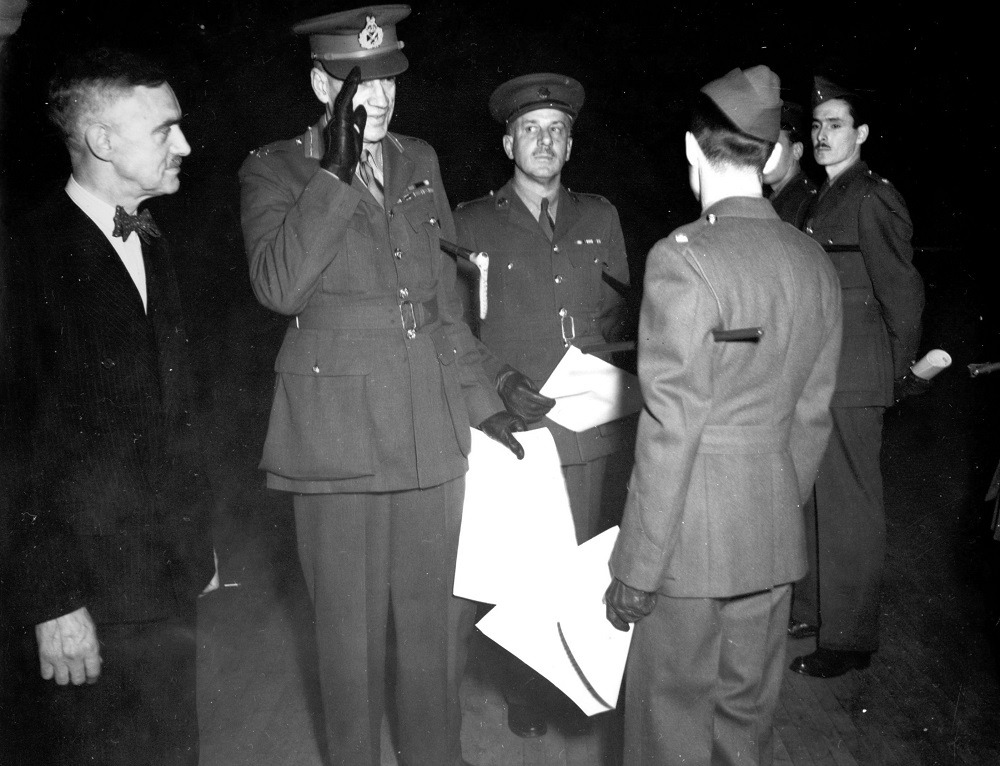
378 382
554 256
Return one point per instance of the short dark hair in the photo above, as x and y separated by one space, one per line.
722 142
87 82
856 108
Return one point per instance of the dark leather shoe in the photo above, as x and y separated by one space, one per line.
801 629
526 721
830 663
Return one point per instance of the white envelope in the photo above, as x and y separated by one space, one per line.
567 638
590 392
516 521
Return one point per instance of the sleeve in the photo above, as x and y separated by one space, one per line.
812 421
615 321
466 234
884 236
291 235
675 372
45 570
481 398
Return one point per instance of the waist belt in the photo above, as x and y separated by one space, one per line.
742 440
410 316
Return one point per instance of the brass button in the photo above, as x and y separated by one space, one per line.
411 334
397 254
555 248
559 279
404 294
563 313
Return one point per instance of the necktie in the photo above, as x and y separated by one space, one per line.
142 224
545 220
367 170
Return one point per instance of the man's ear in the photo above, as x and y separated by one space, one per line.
98 140
321 85
797 150
774 159
508 145
692 150
862 134
569 147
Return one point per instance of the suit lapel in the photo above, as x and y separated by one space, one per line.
567 215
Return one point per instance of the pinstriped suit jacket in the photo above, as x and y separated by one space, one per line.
120 506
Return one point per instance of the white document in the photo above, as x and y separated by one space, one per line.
516 523
565 636
590 392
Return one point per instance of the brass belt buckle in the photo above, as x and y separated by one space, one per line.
409 319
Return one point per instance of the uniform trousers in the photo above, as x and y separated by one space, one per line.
842 593
703 678
368 558
141 710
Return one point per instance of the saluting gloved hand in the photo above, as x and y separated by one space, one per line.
625 604
909 385
520 395
500 426
345 131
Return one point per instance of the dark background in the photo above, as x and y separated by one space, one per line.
242 80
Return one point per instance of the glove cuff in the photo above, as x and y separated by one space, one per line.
505 372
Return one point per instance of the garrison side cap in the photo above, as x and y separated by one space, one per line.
825 89
363 37
542 90
793 120
751 99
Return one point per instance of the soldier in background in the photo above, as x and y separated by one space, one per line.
862 221
791 190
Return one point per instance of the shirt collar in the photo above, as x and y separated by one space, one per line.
99 211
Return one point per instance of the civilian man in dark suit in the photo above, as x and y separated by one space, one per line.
791 190
863 222
113 549
551 250
378 383
728 447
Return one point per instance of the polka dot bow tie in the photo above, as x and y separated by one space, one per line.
142 224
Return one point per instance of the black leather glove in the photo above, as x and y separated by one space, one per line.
625 604
909 385
520 395
500 426
344 133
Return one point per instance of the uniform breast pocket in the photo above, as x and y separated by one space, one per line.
321 424
587 258
352 271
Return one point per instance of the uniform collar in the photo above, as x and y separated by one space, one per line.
740 207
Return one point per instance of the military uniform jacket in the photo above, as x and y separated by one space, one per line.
360 403
532 280
865 216
732 434
119 512
793 201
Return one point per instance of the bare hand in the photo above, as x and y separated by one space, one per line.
68 649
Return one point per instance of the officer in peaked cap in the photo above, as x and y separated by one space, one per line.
536 91
792 191
863 221
378 382
554 256
710 544
363 37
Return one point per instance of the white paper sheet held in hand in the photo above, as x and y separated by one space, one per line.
564 634
590 392
516 523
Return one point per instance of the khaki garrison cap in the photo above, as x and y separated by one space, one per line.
363 37
751 99
825 90
536 91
